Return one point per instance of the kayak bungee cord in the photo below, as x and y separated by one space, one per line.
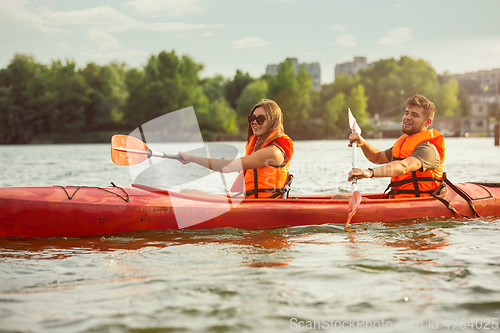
127 199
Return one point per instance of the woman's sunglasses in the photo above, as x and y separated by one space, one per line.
260 119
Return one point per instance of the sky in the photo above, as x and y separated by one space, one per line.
457 36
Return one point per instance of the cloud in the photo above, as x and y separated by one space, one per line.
114 54
346 40
26 20
102 22
398 5
397 37
208 34
338 27
103 40
103 18
107 47
249 43
167 8
495 48
176 26
63 46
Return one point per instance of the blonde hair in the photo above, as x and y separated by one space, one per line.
274 118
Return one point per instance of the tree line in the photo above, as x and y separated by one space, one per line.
37 99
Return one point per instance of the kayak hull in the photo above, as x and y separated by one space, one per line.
44 212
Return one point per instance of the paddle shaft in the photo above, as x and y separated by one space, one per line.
354 180
150 153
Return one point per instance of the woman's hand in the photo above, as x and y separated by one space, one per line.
185 157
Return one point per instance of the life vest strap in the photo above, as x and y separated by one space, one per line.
398 191
414 179
411 180
277 191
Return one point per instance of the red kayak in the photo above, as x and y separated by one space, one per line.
43 212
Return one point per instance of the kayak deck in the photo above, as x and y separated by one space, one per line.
43 212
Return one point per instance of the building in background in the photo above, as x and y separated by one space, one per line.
351 68
475 124
313 69
483 88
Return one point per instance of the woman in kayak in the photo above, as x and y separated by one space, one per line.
264 168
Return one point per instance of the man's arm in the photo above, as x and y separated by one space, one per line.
392 169
373 154
424 157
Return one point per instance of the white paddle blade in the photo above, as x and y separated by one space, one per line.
353 206
353 124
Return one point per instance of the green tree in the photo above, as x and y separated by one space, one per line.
376 90
12 124
332 113
118 94
335 114
446 101
292 93
66 98
97 111
221 118
342 84
167 83
21 108
214 88
235 87
134 80
417 76
107 94
389 82
251 95
358 103
334 100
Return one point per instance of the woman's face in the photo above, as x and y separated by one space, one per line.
259 129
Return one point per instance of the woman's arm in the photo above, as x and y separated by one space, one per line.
270 155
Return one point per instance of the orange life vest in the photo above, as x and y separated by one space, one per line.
416 183
267 181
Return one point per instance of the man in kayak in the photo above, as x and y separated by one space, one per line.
264 168
415 161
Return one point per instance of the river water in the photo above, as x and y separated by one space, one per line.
425 276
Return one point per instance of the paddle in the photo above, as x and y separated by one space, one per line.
128 150
356 196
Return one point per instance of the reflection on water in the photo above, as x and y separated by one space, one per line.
196 280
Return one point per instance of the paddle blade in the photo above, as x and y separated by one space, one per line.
128 150
353 124
353 206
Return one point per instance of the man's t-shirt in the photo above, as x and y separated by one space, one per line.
426 153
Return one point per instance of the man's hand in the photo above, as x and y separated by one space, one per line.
358 138
359 174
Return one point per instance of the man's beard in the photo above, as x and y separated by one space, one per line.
409 131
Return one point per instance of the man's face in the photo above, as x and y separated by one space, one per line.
414 120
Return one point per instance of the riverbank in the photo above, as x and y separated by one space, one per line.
105 137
